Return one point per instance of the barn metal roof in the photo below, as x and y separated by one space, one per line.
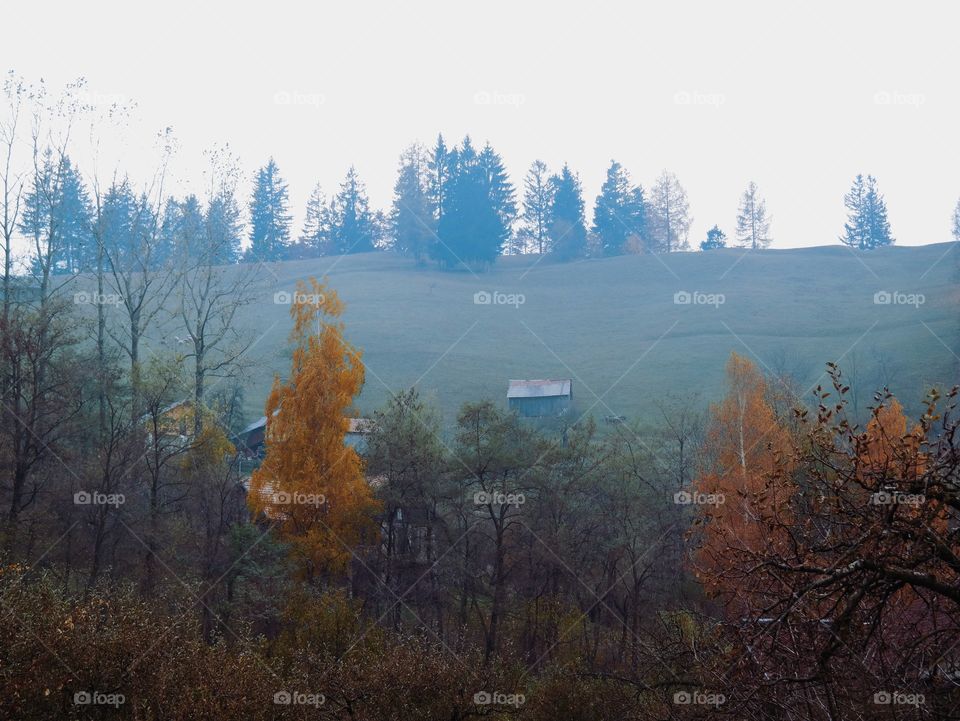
255 425
539 388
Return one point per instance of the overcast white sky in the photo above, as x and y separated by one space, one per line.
798 98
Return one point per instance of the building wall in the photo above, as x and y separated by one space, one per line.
539 407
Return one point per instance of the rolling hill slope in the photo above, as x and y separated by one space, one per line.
613 327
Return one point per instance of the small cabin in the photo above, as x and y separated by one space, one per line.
173 421
540 398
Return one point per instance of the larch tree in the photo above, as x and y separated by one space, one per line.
858 587
669 215
223 220
867 226
315 236
956 222
535 218
311 483
411 217
738 501
753 225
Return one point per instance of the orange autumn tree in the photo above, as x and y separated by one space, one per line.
887 449
890 463
858 588
742 493
311 483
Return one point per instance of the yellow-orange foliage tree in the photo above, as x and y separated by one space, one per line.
886 449
311 483
742 493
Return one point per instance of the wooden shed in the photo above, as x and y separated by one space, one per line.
540 398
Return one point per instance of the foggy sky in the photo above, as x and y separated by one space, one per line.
798 99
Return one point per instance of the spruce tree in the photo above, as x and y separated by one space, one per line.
878 227
269 216
716 238
224 227
462 190
567 231
56 217
753 225
439 169
188 229
126 223
478 208
619 215
352 223
501 197
166 235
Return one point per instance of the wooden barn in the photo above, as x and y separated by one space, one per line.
540 398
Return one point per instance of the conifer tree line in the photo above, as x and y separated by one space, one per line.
454 205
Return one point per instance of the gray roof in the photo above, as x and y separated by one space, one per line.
539 388
357 425
255 425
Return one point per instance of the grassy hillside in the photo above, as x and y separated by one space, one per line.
612 324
